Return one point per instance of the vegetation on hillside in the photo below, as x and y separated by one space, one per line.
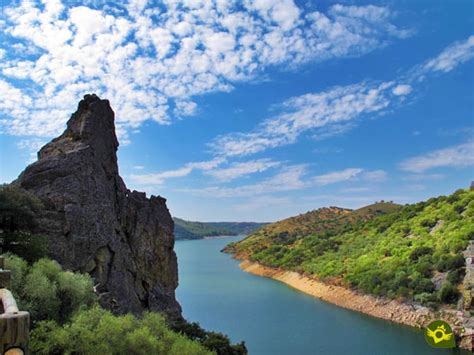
324 221
412 252
198 230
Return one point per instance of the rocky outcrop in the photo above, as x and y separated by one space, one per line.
467 308
95 224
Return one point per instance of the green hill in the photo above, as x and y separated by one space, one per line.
412 251
323 222
197 230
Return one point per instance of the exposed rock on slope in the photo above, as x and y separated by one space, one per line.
95 224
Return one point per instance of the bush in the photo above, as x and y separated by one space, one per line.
456 276
420 251
48 292
427 299
450 262
97 331
213 341
18 210
448 293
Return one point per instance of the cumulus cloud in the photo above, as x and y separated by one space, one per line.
402 89
31 146
150 61
461 155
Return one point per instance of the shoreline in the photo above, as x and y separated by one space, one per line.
392 310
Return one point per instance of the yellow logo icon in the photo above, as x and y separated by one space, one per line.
440 335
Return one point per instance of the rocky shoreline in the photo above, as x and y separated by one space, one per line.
392 310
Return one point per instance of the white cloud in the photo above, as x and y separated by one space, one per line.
336 176
402 89
452 56
289 178
151 61
461 155
334 111
185 108
237 170
32 146
324 113
160 178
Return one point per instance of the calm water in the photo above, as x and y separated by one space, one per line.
275 319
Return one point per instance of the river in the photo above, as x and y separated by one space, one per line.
275 319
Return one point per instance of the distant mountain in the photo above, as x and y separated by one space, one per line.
197 230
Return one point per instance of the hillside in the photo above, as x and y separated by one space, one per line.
325 221
197 230
412 252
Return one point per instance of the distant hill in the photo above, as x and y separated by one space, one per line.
412 252
325 221
197 230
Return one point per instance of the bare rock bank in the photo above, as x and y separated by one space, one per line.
392 310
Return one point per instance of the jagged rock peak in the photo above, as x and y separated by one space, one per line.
92 125
95 224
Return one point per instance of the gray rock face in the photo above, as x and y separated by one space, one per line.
96 225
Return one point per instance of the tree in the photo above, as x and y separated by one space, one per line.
18 209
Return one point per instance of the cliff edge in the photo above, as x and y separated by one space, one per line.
95 224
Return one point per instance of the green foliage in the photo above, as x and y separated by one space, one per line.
97 331
18 210
448 293
216 342
420 251
67 320
456 276
450 262
392 253
48 292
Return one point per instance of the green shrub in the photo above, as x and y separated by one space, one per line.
450 262
97 331
46 291
456 276
217 342
420 251
427 299
448 293
18 212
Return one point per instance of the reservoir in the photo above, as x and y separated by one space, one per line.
275 319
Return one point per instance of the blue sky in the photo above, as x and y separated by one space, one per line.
251 110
